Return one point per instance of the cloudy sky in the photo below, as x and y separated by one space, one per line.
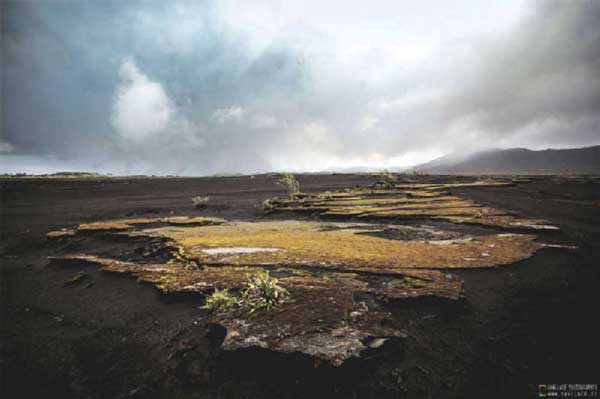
203 87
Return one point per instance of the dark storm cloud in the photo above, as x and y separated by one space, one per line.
183 87
61 63
547 71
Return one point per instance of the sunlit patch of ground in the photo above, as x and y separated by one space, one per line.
309 243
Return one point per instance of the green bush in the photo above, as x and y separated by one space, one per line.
289 181
387 180
263 292
267 205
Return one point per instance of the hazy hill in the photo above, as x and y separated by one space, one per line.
518 161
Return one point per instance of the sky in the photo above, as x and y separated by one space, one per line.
234 86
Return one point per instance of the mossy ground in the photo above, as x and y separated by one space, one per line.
325 266
409 201
315 244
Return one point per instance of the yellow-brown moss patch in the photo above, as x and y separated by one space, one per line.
312 243
131 224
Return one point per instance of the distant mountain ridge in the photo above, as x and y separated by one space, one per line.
518 161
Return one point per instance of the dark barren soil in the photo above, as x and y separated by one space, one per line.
519 325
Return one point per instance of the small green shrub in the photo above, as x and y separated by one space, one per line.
267 205
263 292
200 201
387 180
289 181
219 299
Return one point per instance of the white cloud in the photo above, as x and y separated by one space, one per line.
316 134
141 107
264 122
410 100
144 114
368 122
224 115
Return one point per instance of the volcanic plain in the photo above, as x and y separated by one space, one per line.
419 286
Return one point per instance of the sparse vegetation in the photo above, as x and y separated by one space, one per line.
263 292
220 299
416 172
289 181
387 180
267 205
200 201
353 263
179 255
164 282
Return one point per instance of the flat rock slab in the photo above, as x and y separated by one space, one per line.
322 318
340 276
132 224
409 201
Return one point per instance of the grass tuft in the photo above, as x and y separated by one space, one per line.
200 201
219 299
263 292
